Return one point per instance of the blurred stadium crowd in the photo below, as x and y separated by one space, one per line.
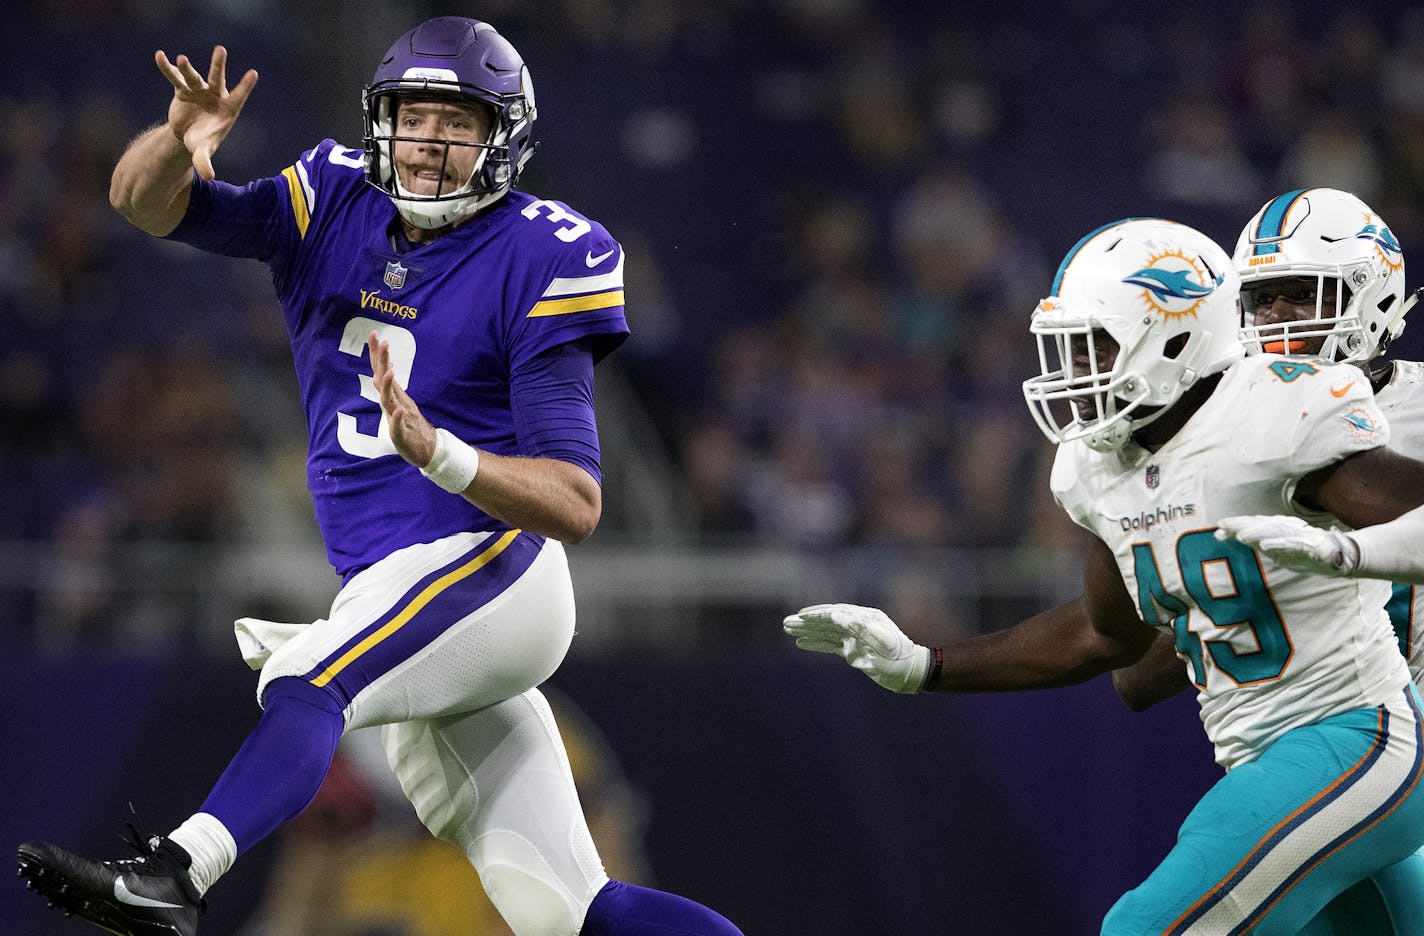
838 214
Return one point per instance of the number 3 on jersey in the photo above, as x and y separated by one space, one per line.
571 228
353 342
1224 580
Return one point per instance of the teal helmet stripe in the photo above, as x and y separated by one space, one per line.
1063 267
1273 221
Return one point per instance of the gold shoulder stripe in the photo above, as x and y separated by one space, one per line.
299 200
603 300
418 602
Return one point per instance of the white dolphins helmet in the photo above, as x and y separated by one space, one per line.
1139 311
1330 244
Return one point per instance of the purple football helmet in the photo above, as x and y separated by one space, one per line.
472 64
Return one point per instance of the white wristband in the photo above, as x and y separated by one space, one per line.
454 464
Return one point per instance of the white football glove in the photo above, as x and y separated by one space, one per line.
1295 544
868 640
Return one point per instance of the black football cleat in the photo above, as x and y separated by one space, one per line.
151 895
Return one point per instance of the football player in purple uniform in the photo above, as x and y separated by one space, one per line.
444 329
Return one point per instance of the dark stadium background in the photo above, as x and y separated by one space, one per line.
838 217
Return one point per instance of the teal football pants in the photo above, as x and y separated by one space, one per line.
1278 838
1390 903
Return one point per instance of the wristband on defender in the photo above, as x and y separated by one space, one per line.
936 668
454 464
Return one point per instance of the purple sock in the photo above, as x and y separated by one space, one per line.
282 763
629 910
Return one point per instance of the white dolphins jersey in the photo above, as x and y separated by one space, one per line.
1402 402
1268 649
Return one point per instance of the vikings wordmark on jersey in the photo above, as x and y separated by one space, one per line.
460 313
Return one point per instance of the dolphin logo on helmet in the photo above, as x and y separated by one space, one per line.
1171 284
1382 237
1109 366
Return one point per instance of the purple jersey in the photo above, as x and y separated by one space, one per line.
460 314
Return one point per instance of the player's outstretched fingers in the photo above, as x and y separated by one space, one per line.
217 68
1253 530
380 353
819 611
1234 527
819 645
203 162
802 625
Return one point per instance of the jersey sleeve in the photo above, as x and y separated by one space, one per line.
575 293
267 219
231 220
1307 419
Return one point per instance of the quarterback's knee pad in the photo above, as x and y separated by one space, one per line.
496 783
530 898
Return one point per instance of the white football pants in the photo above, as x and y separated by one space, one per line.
443 644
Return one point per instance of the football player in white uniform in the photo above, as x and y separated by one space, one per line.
1323 275
1348 270
1164 428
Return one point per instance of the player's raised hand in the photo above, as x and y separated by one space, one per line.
1294 544
411 432
203 110
866 638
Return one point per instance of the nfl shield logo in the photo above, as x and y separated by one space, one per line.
1154 476
395 274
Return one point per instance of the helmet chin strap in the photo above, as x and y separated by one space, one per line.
1110 438
429 213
